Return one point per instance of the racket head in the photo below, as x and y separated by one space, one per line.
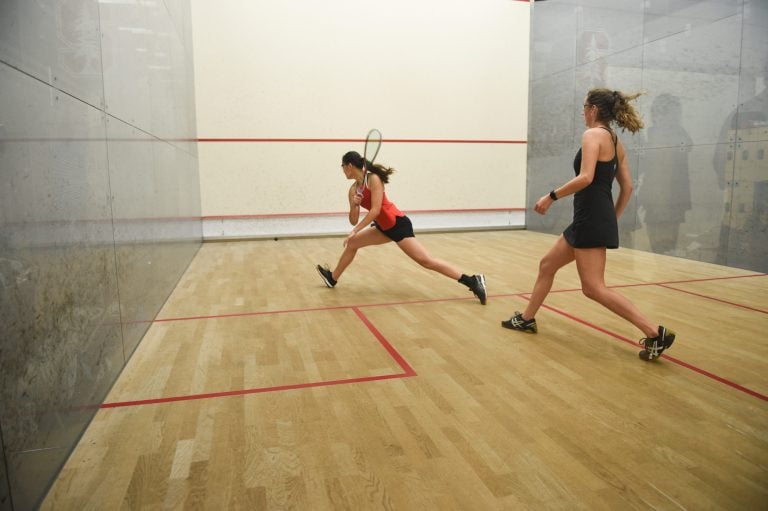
370 151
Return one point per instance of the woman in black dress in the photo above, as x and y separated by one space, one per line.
600 160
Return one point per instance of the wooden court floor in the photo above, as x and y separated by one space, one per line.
259 388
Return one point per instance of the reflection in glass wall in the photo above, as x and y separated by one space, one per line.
742 171
699 166
99 212
663 188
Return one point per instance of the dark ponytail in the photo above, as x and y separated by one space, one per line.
356 160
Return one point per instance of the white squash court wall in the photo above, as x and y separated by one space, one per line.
446 81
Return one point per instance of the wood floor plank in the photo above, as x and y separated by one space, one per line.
397 390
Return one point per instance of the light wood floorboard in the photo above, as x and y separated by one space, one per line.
259 388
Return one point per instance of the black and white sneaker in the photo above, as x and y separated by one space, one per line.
326 275
516 322
477 286
653 347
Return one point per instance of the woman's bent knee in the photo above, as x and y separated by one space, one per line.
547 268
592 292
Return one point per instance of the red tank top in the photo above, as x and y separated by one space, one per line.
388 213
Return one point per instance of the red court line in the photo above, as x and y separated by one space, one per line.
252 313
715 299
341 213
467 210
392 352
362 140
414 302
191 397
451 141
314 309
661 284
277 139
679 362
717 378
97 139
688 281
270 215
408 372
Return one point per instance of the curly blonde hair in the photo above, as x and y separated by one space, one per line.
615 106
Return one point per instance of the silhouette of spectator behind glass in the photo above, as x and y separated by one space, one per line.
741 166
665 190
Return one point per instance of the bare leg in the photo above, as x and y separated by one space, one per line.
367 237
416 251
590 263
558 256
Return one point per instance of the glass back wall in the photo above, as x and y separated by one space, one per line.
699 166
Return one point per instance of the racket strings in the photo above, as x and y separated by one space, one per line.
372 146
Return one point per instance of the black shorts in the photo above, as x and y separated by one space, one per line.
402 229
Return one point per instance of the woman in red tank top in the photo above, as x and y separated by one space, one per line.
387 223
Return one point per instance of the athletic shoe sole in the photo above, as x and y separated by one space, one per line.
653 354
483 294
513 325
323 276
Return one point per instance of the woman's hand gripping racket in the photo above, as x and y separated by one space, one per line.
371 150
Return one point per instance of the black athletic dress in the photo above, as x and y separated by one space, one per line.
594 216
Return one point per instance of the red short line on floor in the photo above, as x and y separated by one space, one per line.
392 352
663 284
408 371
715 377
314 309
715 299
432 300
138 402
252 313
